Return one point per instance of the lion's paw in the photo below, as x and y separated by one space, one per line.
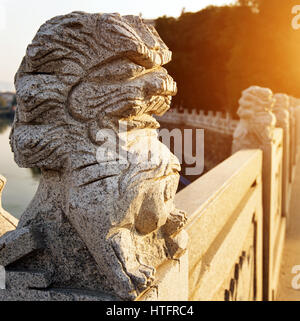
142 276
175 222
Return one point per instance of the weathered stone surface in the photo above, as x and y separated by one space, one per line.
54 295
2 277
86 90
18 243
257 122
27 279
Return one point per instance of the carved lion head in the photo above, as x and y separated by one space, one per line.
81 73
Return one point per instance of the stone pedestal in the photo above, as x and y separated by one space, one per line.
171 284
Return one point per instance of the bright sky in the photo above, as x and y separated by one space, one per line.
20 20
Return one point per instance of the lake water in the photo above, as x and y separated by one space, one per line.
22 183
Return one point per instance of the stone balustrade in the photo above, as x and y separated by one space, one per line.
101 228
224 209
267 122
236 224
266 126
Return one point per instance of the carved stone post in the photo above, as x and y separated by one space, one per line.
293 138
103 219
256 129
297 114
293 129
281 111
7 221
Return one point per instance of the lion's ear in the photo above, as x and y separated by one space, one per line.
38 146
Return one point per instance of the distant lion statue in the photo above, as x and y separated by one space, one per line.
95 223
257 122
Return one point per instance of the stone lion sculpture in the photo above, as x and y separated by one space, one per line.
257 122
95 223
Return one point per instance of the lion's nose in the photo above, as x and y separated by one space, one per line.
159 83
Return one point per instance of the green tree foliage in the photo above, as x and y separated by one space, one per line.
219 51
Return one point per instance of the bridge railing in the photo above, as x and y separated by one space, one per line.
236 224
278 170
274 221
225 230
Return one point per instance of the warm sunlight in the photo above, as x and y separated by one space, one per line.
149 151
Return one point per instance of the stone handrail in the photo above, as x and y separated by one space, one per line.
279 146
224 208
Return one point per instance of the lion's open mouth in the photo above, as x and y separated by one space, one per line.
143 118
158 105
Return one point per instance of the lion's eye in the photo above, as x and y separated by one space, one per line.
118 69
